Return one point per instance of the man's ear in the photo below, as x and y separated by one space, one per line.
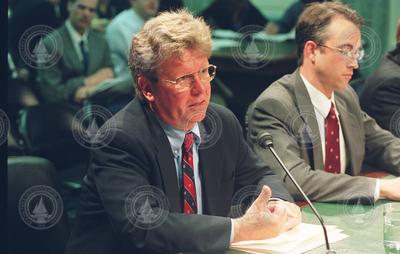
145 88
310 51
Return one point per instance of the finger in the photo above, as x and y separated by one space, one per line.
263 197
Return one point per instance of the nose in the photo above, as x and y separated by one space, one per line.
198 86
353 63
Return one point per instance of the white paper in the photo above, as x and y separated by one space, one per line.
300 239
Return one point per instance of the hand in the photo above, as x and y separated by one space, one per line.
82 93
293 212
271 28
390 189
263 221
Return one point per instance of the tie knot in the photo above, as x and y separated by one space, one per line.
332 110
188 141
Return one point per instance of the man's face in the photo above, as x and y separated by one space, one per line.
81 13
181 109
332 67
146 8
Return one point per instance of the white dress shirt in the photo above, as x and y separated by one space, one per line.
322 105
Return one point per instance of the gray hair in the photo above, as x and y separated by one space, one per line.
168 34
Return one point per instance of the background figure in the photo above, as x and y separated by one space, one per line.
319 129
381 95
85 61
26 14
289 19
233 15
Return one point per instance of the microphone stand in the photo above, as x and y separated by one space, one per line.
265 141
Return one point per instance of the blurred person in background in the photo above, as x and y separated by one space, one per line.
85 61
381 94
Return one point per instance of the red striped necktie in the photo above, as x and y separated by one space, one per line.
189 188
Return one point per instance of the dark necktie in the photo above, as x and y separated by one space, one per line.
332 144
189 189
85 57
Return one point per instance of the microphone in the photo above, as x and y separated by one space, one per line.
265 141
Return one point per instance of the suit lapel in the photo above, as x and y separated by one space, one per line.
165 159
69 49
307 113
210 167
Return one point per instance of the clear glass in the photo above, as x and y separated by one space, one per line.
185 82
391 228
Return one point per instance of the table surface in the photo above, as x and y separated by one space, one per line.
362 223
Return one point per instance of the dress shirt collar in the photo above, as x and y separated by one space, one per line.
176 136
321 103
75 36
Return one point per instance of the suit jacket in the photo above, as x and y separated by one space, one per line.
60 81
285 110
140 154
381 95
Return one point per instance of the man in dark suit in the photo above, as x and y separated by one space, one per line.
84 57
381 95
170 143
319 129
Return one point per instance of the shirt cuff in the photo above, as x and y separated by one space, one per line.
232 231
377 190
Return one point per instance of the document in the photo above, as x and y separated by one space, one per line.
304 237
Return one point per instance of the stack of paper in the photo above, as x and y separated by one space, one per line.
300 239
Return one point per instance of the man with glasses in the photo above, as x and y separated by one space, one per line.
85 60
177 163
319 129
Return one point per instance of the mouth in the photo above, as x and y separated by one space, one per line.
348 76
198 104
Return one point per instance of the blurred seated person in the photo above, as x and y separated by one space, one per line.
119 34
123 27
233 15
381 95
85 61
26 14
289 19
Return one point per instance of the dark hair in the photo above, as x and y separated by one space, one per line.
315 19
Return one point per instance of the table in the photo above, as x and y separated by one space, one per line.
363 224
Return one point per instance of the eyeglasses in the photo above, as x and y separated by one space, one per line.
185 82
357 54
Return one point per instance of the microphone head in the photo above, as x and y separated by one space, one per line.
265 140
